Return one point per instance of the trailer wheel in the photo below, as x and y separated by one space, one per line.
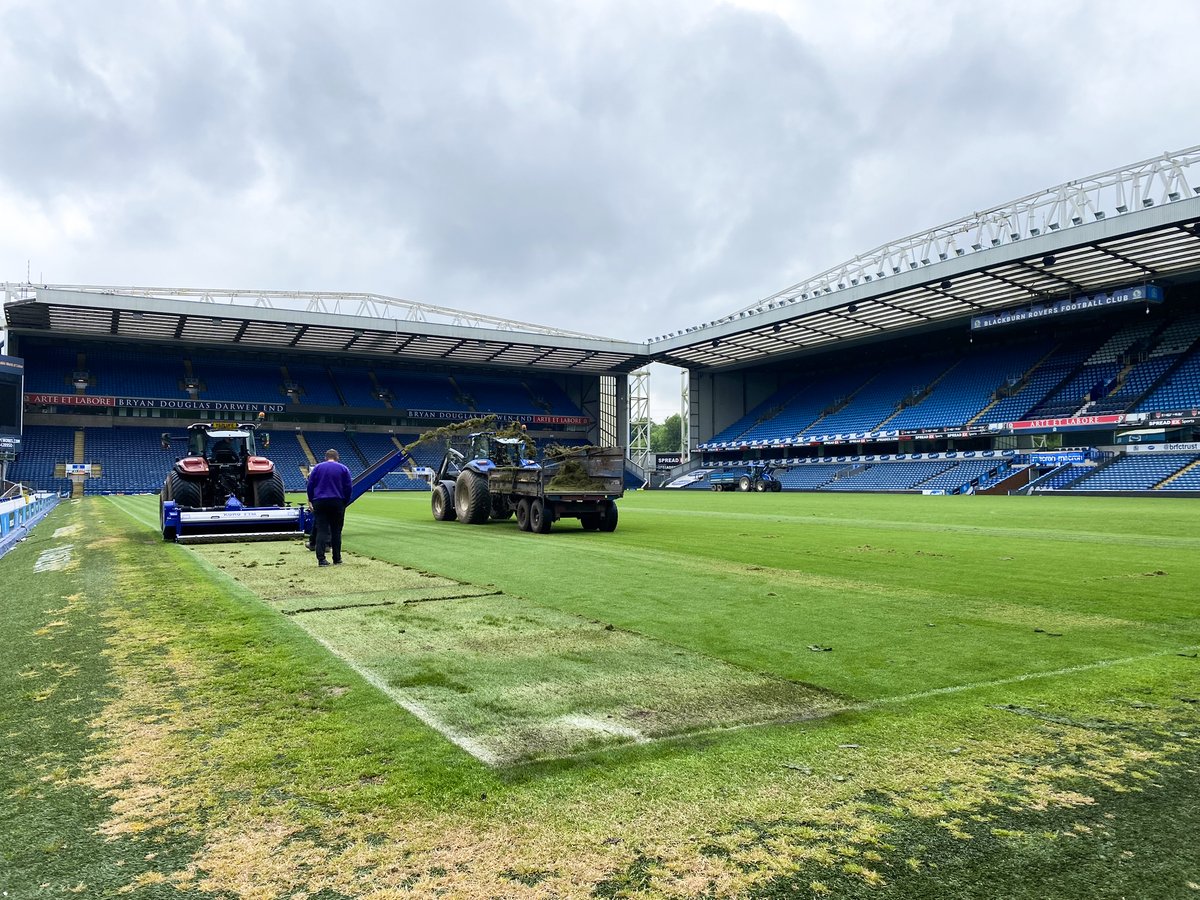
608 516
539 519
268 491
523 514
442 503
744 483
188 494
590 521
714 487
471 498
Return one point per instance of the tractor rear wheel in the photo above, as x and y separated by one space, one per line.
523 514
442 503
268 491
471 502
187 494
744 483
539 519
608 516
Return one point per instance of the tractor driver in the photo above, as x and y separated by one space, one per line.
222 451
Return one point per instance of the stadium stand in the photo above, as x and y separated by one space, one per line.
1134 472
42 448
1180 389
970 386
810 477
226 380
49 369
873 406
131 460
888 477
1060 477
357 387
1186 479
315 385
133 374
290 462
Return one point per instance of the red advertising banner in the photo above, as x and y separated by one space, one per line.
561 420
1071 422
69 400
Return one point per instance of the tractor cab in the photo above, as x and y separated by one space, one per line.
222 445
503 452
481 452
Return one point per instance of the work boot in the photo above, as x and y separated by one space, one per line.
322 562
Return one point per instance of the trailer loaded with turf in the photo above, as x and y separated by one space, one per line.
493 479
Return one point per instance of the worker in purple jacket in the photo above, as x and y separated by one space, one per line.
328 495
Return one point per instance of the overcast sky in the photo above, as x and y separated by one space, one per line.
619 168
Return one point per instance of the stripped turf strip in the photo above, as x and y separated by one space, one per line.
505 680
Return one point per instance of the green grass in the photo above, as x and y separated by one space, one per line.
1018 680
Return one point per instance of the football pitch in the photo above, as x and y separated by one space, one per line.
733 695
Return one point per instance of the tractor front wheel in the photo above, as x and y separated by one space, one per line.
776 486
760 487
471 502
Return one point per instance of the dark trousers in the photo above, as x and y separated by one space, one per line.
328 516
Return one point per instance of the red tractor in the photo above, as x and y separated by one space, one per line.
222 462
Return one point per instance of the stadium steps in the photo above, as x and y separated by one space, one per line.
308 454
1016 388
380 392
78 456
337 388
362 457
1193 466
286 377
838 406
925 394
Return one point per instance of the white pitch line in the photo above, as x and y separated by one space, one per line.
470 745
1028 676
